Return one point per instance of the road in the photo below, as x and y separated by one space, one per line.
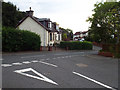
63 69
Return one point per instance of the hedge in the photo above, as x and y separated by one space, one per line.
113 48
76 45
19 40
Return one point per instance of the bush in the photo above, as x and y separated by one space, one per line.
113 48
76 45
117 55
19 40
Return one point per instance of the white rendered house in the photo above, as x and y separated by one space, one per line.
48 30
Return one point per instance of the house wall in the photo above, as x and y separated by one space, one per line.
51 42
30 25
60 37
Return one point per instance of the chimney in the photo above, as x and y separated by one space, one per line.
30 12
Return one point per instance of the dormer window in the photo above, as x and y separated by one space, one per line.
57 27
49 24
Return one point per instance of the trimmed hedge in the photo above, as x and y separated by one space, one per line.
76 45
19 40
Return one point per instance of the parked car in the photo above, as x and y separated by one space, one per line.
81 39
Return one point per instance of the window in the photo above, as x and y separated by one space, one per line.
50 36
53 36
59 37
49 25
57 27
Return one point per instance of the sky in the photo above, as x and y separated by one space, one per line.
70 14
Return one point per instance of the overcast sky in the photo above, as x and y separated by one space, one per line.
70 14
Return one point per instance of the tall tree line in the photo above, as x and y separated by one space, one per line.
11 14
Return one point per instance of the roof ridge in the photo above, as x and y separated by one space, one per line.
34 20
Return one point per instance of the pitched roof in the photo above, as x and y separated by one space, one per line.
84 32
78 33
34 20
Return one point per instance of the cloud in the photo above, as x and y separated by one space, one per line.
68 13
43 6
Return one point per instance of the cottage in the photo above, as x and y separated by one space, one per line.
48 30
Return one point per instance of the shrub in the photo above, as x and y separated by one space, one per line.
117 55
113 48
19 40
76 45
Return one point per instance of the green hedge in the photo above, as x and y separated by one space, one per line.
19 40
76 45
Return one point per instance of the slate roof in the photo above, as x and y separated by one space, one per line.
78 33
37 20
34 20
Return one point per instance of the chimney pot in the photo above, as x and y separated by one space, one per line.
30 13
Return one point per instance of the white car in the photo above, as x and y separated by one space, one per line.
81 39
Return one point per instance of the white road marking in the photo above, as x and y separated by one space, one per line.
74 55
6 65
82 52
47 59
63 57
22 72
58 54
17 63
1 59
58 57
83 55
97 82
34 61
48 64
26 62
69 56
66 56
32 56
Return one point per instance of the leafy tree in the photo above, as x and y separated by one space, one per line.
64 36
70 34
102 29
114 21
10 15
67 34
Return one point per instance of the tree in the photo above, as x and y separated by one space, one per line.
114 21
101 29
67 33
64 37
70 34
10 15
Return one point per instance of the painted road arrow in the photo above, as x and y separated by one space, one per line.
42 77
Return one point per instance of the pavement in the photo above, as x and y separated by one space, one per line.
59 69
